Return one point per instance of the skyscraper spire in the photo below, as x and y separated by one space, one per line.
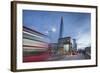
61 28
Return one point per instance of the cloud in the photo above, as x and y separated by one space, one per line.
83 39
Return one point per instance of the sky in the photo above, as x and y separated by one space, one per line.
76 25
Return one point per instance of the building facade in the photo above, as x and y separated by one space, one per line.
65 45
74 45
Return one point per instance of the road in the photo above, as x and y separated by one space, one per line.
68 57
74 57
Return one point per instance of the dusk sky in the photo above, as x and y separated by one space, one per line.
76 25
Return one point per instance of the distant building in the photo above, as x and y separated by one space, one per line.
88 51
74 45
54 48
65 44
65 40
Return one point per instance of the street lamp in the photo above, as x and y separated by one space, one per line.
49 32
53 29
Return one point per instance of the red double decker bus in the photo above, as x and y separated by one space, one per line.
35 46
